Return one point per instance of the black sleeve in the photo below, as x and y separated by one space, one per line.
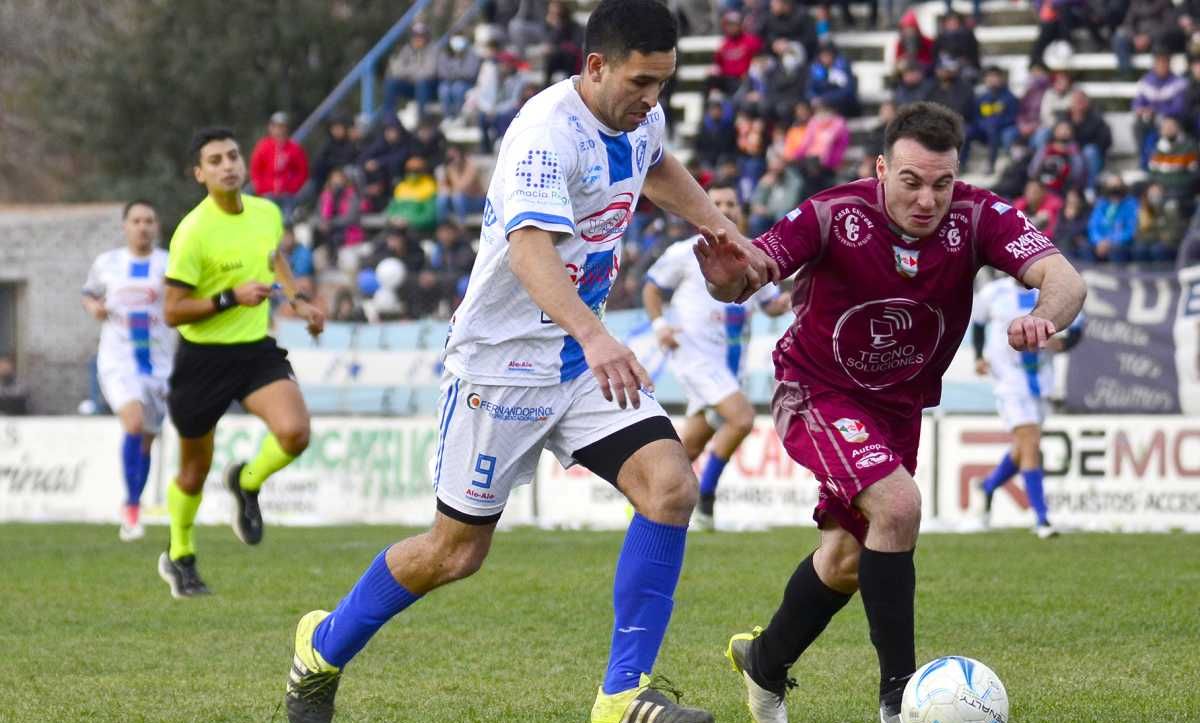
977 334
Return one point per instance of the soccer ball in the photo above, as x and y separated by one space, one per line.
954 689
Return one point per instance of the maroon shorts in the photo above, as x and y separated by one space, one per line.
846 446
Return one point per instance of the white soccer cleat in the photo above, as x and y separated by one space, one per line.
766 706
1045 532
702 522
131 532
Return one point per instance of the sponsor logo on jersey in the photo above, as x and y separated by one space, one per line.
852 430
479 495
906 261
489 213
886 342
473 401
852 227
884 328
609 223
1030 243
872 459
592 175
520 365
230 265
506 413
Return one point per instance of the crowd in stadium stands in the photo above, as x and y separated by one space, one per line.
392 210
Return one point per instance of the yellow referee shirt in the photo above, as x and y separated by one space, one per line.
212 251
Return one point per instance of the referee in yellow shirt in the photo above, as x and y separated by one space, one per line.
220 272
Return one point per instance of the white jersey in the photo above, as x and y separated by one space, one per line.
559 169
708 329
1015 373
135 339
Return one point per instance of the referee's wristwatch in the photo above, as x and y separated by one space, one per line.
225 300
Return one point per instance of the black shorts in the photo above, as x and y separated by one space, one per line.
207 378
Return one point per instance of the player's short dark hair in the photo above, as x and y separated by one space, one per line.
204 136
616 28
722 186
137 202
933 125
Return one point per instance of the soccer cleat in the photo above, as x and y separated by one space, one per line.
766 704
131 532
645 704
181 575
702 522
312 682
1045 532
889 713
247 518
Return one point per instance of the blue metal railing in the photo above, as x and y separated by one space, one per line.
363 72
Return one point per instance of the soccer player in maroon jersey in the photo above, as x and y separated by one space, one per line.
882 299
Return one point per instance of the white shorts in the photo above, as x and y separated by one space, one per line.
120 387
490 438
1018 410
705 382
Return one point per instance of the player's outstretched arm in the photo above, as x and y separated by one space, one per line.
1061 291
725 266
652 302
537 265
94 306
671 187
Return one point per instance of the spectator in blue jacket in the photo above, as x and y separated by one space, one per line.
1113 223
831 79
995 112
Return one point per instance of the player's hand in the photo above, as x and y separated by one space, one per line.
314 316
725 264
982 368
99 312
617 370
251 293
1030 333
665 335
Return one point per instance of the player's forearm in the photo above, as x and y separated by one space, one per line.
537 265
652 300
187 310
1061 292
672 188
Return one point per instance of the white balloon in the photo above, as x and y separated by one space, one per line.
390 273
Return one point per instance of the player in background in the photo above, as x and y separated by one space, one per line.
531 366
220 273
1021 381
707 351
124 292
883 299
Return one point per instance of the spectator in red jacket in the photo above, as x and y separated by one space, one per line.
732 59
278 166
912 43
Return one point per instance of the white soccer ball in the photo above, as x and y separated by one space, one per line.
954 689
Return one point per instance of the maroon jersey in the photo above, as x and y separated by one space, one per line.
880 314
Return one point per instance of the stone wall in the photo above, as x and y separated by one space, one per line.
47 250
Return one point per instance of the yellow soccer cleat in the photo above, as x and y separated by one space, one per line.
312 683
646 704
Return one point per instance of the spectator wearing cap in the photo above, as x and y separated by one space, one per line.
278 165
913 45
1059 164
1148 24
1175 163
457 68
411 73
956 41
1040 205
789 22
1159 92
415 197
831 80
1160 226
994 114
913 85
954 91
1112 224
1092 133
732 60
460 187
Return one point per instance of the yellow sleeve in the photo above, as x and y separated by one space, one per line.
183 261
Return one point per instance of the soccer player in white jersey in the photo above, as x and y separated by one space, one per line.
530 366
707 345
1021 382
124 291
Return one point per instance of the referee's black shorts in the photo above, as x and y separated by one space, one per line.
207 378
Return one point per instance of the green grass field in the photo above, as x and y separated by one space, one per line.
1082 628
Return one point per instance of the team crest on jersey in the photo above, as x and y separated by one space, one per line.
640 153
906 261
852 430
951 234
852 227
609 223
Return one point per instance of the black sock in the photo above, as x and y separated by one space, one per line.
808 605
888 583
706 503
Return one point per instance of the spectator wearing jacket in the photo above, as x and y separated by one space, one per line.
1071 231
339 210
1160 226
1112 224
1041 205
831 79
717 139
336 152
1160 92
956 41
1148 23
278 165
994 114
1029 114
415 197
411 73
383 164
787 20
1092 133
912 43
1059 164
913 85
732 60
457 68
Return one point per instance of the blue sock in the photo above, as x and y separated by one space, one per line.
374 599
131 460
1037 497
643 591
711 475
1003 472
143 471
